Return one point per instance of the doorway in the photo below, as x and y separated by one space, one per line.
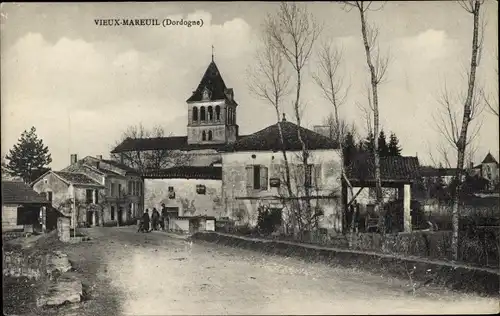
120 216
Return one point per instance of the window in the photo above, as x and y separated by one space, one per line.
217 113
195 114
202 113
49 196
112 186
112 213
89 196
203 135
96 196
200 189
229 115
209 135
257 177
210 113
140 188
130 183
171 193
119 189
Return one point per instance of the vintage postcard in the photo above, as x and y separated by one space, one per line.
209 158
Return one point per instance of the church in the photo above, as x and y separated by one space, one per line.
227 175
194 187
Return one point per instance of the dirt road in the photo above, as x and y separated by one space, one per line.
159 275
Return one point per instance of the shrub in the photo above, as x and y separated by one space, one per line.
268 220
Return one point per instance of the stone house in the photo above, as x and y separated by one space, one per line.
488 169
73 194
123 197
253 174
22 207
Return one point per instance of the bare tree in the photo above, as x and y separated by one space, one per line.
377 65
449 125
293 32
334 89
269 81
492 102
149 160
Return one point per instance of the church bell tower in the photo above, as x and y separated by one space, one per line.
212 111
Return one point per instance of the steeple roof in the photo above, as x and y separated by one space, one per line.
213 82
489 159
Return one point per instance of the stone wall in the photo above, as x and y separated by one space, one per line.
9 218
187 199
16 264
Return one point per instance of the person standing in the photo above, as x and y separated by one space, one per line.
145 221
155 217
164 215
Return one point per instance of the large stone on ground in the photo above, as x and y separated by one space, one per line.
58 261
66 289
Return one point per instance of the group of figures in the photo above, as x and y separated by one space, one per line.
156 221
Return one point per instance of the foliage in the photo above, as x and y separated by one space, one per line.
29 158
349 149
268 220
383 149
393 148
149 160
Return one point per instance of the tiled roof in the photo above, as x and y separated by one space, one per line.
269 139
186 172
426 171
212 80
118 165
76 178
15 192
171 143
391 168
489 159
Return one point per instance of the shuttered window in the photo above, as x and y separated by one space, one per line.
263 177
257 177
249 178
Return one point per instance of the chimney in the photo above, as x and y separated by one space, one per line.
471 165
99 157
73 158
284 118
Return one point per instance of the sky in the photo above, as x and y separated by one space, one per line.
81 85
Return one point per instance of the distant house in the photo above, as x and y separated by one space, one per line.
124 192
102 191
253 174
446 174
22 207
73 194
488 169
